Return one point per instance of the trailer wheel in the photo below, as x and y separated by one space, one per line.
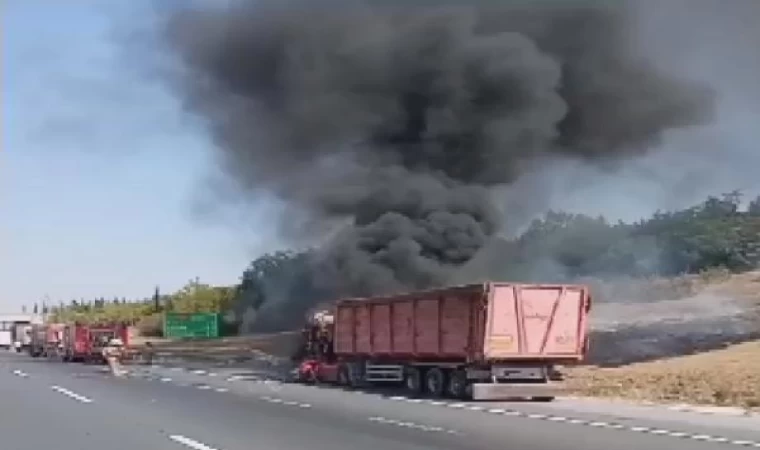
457 385
435 382
354 375
413 380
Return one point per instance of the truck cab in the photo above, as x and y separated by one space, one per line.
316 352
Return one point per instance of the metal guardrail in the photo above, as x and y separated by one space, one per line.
135 357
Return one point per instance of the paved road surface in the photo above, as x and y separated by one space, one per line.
79 407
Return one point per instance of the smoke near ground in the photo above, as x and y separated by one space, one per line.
624 333
398 125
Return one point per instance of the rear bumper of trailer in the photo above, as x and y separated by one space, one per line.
506 391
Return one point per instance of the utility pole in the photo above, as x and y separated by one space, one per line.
157 299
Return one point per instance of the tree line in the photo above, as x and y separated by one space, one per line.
557 247
146 313
276 288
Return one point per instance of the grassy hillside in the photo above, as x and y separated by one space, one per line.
724 371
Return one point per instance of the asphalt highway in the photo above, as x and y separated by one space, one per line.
81 407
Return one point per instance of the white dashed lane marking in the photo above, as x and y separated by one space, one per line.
192 443
499 411
412 425
21 374
284 402
590 423
70 394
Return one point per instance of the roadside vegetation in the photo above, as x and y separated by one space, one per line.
711 249
145 314
669 255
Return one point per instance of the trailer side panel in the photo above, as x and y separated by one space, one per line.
431 324
484 322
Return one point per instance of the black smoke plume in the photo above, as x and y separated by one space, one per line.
397 123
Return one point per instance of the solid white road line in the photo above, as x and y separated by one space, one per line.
190 442
73 395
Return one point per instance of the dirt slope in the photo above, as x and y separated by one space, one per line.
698 343
727 377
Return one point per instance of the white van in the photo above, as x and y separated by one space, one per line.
6 334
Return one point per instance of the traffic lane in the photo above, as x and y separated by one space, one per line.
588 409
658 421
36 416
413 415
657 418
506 423
233 422
141 413
463 428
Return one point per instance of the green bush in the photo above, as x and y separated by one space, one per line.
151 326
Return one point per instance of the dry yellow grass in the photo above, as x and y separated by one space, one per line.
724 377
727 377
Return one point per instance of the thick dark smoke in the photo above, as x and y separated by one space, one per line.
399 122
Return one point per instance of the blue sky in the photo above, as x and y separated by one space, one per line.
98 168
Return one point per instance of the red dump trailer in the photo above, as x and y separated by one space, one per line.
481 341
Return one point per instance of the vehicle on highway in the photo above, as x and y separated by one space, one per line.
481 341
101 334
85 343
22 336
8 329
46 340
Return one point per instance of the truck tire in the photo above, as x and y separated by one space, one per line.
435 382
457 385
413 380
